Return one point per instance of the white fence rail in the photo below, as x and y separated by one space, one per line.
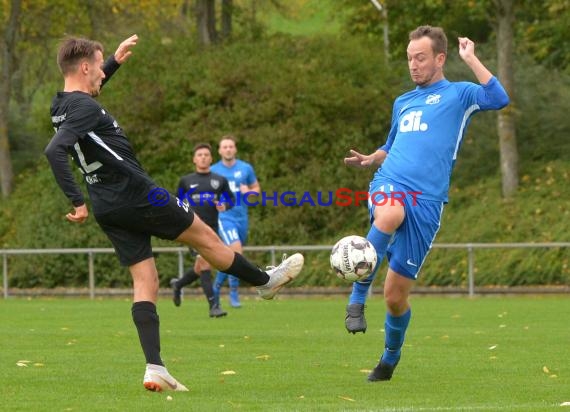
469 248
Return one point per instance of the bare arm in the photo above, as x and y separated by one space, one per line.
467 53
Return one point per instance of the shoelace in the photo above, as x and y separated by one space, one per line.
283 259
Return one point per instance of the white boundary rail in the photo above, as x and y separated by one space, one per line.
273 250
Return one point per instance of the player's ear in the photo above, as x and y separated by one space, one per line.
83 66
440 59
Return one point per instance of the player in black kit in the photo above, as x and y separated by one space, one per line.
208 194
127 204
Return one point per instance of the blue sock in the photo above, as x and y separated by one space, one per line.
218 282
395 328
233 281
380 242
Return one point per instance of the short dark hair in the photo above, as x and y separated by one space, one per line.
228 137
202 146
73 49
436 34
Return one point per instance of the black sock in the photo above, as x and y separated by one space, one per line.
206 281
189 277
245 270
147 323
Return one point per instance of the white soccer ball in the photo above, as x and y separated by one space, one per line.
353 258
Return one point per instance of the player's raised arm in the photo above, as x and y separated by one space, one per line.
467 53
122 54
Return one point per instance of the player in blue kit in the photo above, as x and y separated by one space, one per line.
234 223
428 124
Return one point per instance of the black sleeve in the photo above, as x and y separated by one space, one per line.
227 193
109 68
57 152
181 191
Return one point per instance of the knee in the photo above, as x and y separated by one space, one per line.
396 303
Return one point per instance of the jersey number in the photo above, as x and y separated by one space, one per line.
85 168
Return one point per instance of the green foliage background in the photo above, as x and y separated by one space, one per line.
296 105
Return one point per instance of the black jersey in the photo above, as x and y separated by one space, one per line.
203 191
101 150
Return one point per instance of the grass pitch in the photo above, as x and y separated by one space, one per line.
488 353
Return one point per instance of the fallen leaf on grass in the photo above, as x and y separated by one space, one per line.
263 357
22 364
565 404
365 370
493 347
228 373
545 369
347 398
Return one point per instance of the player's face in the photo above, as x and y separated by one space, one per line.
425 66
227 150
202 160
95 74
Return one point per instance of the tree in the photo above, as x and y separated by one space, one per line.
206 21
227 11
9 65
506 119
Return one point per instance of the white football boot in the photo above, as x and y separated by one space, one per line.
280 275
157 379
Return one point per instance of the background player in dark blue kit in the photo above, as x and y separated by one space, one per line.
208 193
120 191
428 124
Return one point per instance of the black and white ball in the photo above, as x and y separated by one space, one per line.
353 258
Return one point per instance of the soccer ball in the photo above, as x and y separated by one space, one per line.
353 258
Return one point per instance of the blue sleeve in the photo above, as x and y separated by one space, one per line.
251 177
492 96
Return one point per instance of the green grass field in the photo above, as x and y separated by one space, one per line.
488 353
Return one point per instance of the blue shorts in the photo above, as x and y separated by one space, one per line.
231 231
412 241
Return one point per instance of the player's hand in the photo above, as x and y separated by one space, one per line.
243 188
123 51
79 215
221 207
359 159
466 48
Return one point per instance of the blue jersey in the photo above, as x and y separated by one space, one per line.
241 173
427 128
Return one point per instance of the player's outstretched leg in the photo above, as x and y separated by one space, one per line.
280 275
157 379
354 320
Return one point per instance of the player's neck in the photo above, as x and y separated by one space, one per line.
229 163
74 85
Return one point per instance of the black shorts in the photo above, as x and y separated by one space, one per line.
130 228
